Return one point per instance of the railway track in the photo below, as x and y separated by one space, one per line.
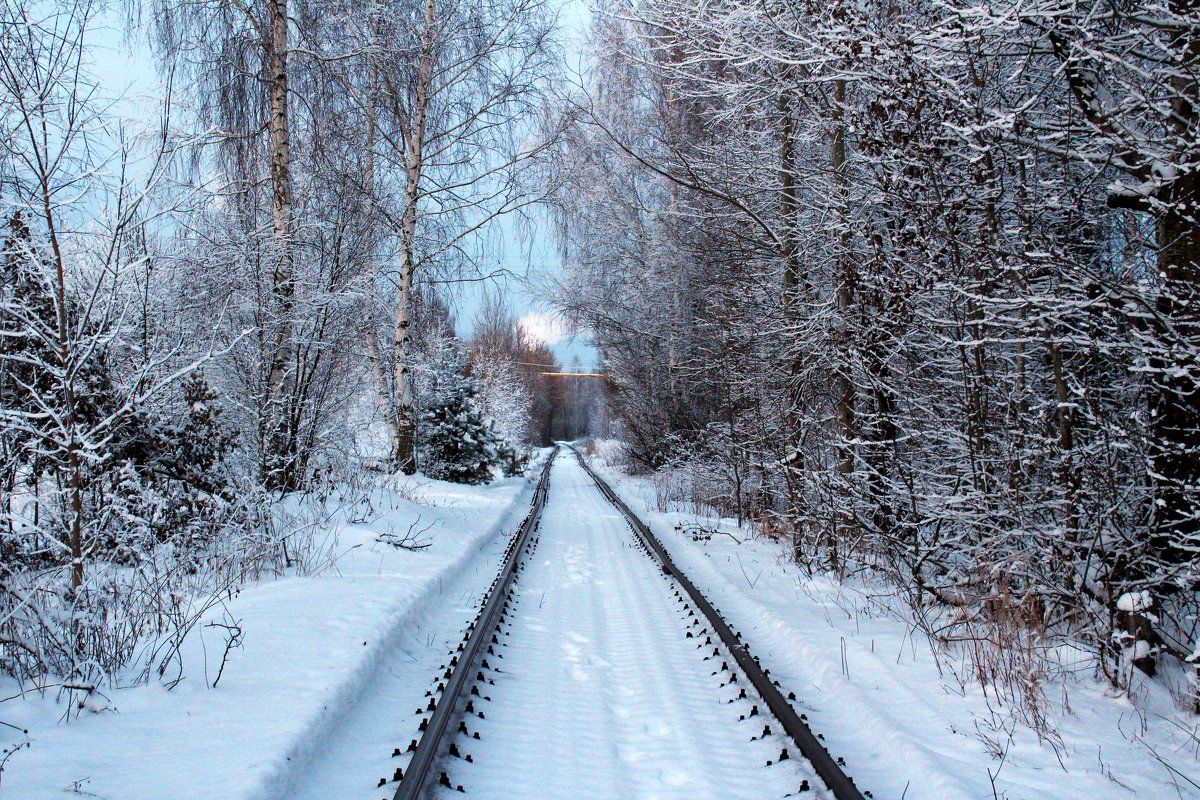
449 700
455 704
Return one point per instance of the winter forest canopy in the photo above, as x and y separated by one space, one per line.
910 287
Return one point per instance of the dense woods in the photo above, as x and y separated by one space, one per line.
914 286
244 294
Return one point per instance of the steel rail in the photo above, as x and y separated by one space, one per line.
826 767
417 778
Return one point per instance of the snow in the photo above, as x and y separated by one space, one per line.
909 724
312 646
600 693
1135 601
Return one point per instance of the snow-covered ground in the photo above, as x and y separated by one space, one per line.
601 692
313 647
906 724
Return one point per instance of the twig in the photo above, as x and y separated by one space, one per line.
233 639
411 540
1166 765
744 575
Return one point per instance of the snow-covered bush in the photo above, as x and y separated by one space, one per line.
608 451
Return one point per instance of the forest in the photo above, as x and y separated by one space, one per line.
914 287
242 293
911 288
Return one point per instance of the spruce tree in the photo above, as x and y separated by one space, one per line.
459 445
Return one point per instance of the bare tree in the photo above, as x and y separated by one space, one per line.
925 331
1142 103
234 49
455 100
67 176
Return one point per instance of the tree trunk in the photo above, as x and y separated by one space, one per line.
1068 474
1175 425
405 395
278 467
843 381
70 421
789 214
383 384
1174 367
845 287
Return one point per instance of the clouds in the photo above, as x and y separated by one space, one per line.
544 327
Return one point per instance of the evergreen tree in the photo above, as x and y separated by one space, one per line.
460 445
171 483
193 446
27 327
512 459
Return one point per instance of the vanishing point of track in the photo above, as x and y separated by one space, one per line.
463 681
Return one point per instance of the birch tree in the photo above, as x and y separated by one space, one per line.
237 52
456 107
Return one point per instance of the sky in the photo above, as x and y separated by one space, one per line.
536 259
125 68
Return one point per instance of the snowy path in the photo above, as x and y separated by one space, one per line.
601 694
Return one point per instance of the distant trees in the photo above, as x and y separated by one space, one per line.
528 404
497 363
927 275
509 364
